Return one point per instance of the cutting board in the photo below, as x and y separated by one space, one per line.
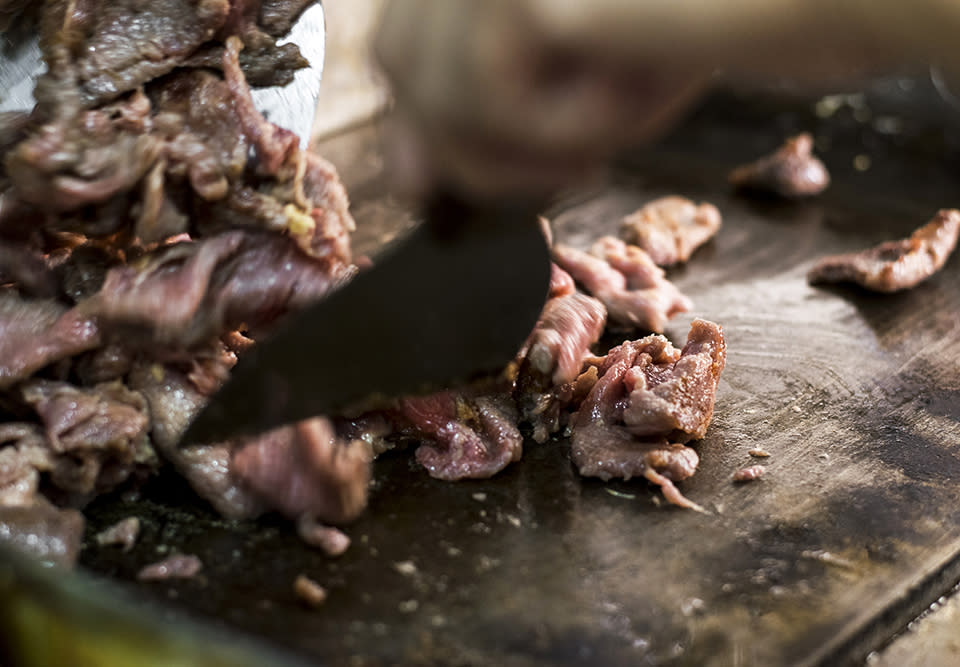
853 530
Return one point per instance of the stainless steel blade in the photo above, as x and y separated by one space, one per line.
293 106
455 299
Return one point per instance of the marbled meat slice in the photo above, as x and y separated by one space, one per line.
669 229
792 171
672 392
604 443
895 265
624 278
462 436
116 46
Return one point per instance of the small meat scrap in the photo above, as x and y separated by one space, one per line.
628 283
177 566
749 474
895 265
647 396
464 437
124 533
792 171
332 541
669 229
309 591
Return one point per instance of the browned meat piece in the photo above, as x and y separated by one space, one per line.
631 287
177 566
613 432
124 534
116 46
895 265
749 474
83 158
463 437
98 435
553 357
43 531
312 593
24 454
669 229
189 293
34 334
278 16
332 541
672 392
792 171
306 469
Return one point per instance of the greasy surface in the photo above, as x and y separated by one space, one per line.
854 527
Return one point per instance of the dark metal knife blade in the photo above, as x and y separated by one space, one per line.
454 299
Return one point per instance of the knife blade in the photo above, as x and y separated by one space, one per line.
453 300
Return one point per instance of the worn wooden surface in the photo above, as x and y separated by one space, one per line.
855 527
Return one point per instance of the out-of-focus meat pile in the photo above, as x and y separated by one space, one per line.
153 223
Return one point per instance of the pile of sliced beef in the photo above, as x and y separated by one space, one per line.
152 225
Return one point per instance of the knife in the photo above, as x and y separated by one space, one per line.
452 301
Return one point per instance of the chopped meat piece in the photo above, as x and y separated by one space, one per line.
895 265
312 593
23 456
124 534
749 474
332 541
631 287
43 531
34 334
116 46
463 437
792 171
188 293
81 159
672 392
173 402
98 434
606 444
759 453
669 229
177 566
306 469
554 356
28 271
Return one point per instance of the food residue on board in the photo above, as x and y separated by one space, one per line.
176 566
124 533
309 591
749 474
